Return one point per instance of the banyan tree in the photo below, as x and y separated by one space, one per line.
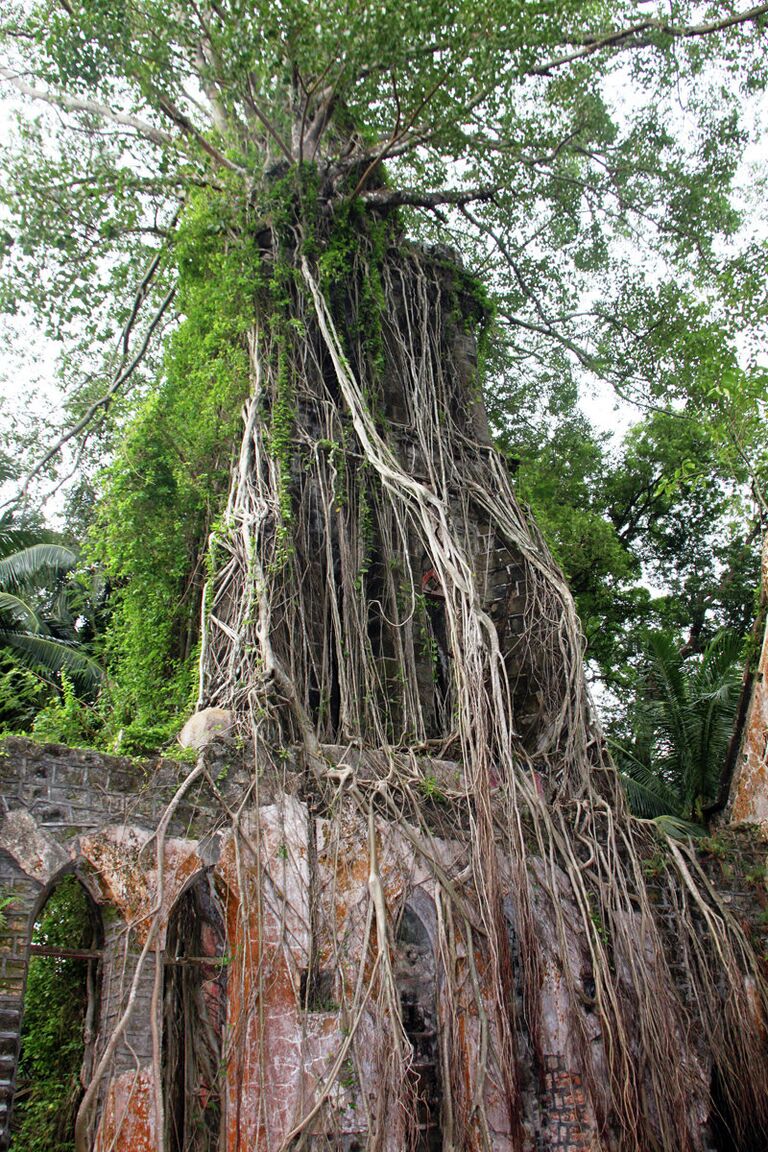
443 928
381 607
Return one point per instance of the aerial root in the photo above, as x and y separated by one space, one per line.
319 628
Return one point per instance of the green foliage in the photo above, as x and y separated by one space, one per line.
22 694
599 924
281 444
6 902
431 790
48 1086
657 531
67 719
680 726
686 512
563 473
757 876
164 491
606 231
521 98
38 642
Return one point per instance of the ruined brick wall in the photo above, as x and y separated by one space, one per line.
285 1013
65 809
297 948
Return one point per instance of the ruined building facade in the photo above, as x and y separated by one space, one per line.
275 1026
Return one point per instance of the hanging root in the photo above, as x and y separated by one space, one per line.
381 588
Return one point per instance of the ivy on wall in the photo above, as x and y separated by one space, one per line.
169 480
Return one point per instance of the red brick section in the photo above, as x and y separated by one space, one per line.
564 1109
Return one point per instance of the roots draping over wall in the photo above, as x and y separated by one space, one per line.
377 586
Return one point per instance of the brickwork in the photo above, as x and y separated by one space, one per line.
70 791
735 862
52 798
565 1125
22 896
117 975
66 809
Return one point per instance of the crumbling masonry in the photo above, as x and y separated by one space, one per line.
67 810
74 810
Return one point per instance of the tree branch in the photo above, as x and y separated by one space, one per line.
261 115
144 128
412 197
94 107
585 358
638 36
187 127
398 133
120 376
382 152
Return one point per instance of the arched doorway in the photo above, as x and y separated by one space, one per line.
415 977
194 1007
59 1020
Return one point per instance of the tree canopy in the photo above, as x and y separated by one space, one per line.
502 127
583 158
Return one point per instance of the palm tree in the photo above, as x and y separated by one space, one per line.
682 724
32 568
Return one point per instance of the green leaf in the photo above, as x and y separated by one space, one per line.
35 563
54 655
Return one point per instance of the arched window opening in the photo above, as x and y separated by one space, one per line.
59 1021
415 976
194 1007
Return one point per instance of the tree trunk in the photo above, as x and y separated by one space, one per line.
746 778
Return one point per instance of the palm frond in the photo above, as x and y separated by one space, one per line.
53 655
720 661
643 801
18 612
28 565
683 724
672 704
12 539
647 791
677 828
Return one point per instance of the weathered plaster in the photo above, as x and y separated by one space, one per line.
288 905
37 853
748 803
128 1116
